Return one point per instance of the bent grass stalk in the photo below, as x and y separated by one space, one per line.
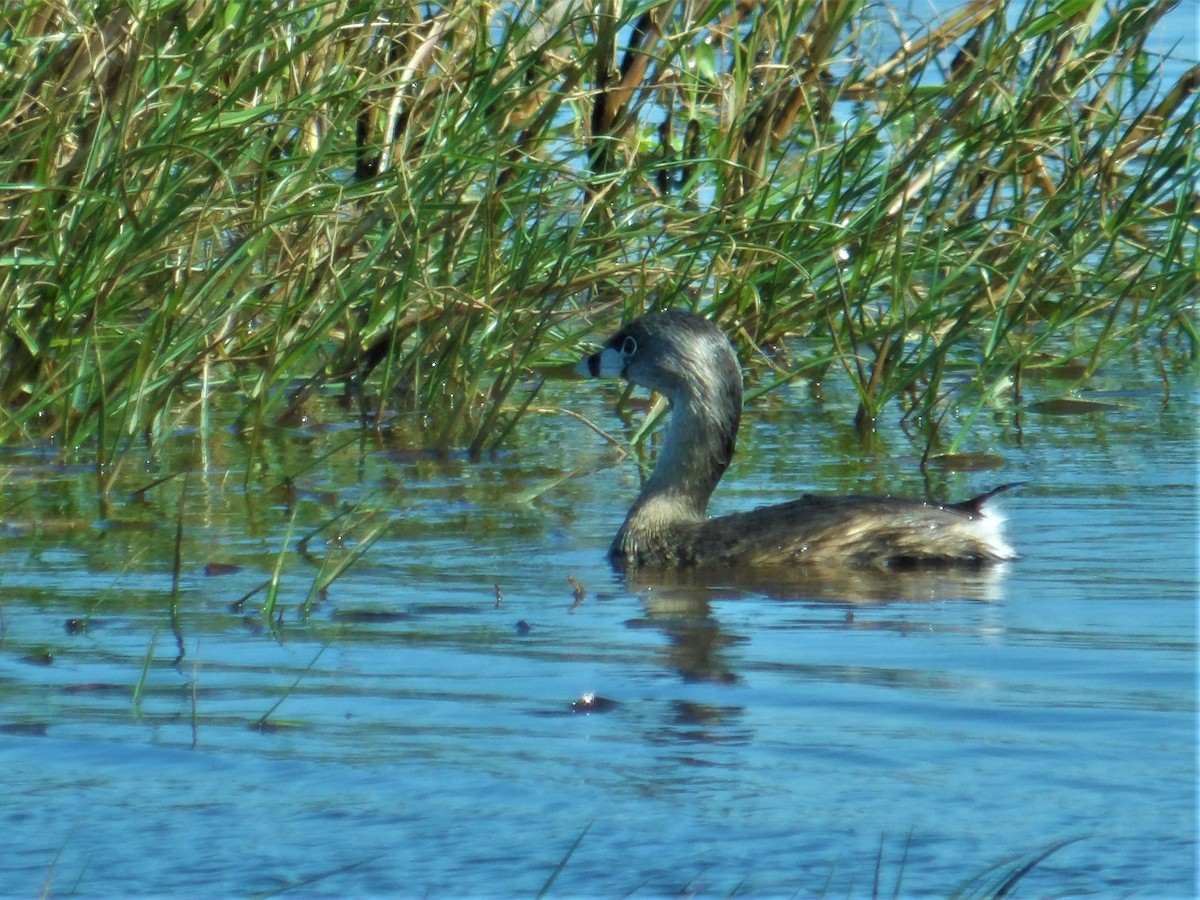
140 687
264 723
270 611
996 881
562 863
999 880
332 568
316 878
177 571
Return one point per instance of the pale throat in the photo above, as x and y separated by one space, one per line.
692 459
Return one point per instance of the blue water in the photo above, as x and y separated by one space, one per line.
768 740
765 740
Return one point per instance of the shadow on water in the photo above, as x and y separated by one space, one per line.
847 585
680 603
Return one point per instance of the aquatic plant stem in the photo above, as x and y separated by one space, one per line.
262 721
562 863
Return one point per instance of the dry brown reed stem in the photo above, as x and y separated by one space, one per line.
916 53
1151 124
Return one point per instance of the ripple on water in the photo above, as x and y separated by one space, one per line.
763 738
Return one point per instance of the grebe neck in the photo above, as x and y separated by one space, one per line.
695 453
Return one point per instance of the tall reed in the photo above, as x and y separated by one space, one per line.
418 203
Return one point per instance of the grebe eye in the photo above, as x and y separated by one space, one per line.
628 346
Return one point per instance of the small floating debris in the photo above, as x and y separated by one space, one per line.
213 569
1071 406
593 703
577 589
99 687
369 615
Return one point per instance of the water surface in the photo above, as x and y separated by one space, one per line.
765 739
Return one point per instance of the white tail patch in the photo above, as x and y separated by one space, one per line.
989 526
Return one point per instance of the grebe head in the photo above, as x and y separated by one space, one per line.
683 356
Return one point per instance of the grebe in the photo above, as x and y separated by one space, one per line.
690 361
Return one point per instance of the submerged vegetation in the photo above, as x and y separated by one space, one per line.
422 204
